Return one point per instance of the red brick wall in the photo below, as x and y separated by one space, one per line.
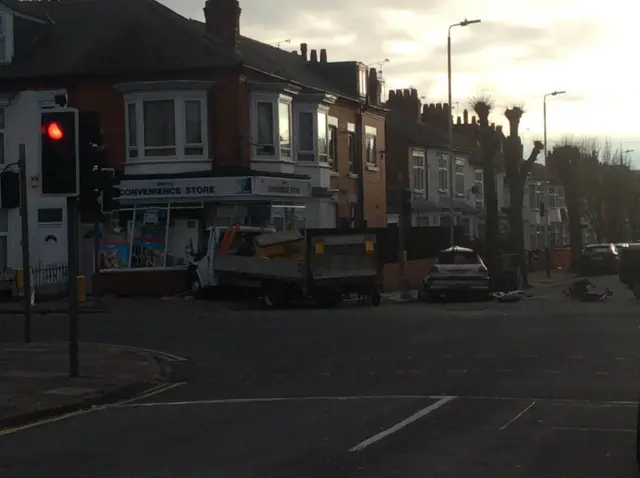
375 189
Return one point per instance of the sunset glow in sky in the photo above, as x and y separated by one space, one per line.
521 50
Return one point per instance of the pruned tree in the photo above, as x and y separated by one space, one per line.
517 170
489 142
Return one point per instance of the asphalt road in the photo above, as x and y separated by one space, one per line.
545 387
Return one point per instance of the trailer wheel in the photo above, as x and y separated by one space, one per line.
276 295
376 298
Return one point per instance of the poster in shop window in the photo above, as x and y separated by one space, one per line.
114 245
149 240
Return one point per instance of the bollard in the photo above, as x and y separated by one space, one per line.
82 295
20 282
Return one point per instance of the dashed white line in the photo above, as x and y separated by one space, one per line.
456 371
602 373
400 425
504 427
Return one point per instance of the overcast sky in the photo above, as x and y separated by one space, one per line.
521 50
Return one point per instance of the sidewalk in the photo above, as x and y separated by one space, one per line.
35 383
61 306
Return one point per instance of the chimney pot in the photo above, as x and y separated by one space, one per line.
303 50
222 20
392 95
473 120
323 55
439 107
465 116
314 56
414 93
407 92
459 120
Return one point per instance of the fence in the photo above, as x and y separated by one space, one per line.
48 280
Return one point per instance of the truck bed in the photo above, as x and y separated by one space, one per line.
277 268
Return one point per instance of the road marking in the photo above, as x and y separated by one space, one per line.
504 427
169 357
456 371
225 401
577 429
149 393
400 425
9 431
602 373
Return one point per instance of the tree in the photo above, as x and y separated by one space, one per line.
489 142
577 172
517 171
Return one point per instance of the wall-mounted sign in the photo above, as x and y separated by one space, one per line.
204 188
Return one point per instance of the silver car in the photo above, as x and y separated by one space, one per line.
457 270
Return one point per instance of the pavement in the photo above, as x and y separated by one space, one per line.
35 382
58 306
544 387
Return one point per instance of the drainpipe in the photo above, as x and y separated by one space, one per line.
361 166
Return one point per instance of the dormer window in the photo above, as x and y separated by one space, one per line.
6 40
362 81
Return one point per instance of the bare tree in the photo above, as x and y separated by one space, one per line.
489 147
517 169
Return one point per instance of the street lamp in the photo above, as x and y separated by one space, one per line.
547 252
463 23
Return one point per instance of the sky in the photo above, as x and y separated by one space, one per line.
521 50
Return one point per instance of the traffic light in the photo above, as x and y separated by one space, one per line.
59 152
91 158
111 190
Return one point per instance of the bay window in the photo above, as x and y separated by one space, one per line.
418 175
284 128
166 125
323 134
305 137
460 183
266 140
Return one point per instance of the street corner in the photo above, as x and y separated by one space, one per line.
35 382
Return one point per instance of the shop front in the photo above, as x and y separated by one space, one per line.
146 245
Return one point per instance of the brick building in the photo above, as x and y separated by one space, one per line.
191 111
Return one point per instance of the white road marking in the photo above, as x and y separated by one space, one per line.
230 401
577 429
400 425
504 427
602 373
456 371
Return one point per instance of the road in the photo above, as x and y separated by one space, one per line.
545 387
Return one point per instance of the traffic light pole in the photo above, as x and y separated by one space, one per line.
26 255
95 283
72 285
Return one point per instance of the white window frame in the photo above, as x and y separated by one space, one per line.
317 112
285 151
418 173
3 136
478 182
135 102
363 83
553 197
322 125
371 148
533 197
460 173
443 173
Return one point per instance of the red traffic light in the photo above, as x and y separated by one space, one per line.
54 131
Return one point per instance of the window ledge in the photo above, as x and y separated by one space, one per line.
272 159
443 191
371 167
335 174
354 176
179 160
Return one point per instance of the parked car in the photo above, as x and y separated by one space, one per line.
457 270
599 259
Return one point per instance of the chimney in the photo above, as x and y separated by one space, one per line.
373 87
303 51
323 55
406 102
314 56
222 19
465 117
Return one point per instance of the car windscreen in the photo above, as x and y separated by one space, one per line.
597 249
458 257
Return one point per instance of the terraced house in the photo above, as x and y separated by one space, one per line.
208 127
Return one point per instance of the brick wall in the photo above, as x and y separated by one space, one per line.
375 189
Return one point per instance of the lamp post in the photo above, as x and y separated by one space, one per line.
547 252
463 23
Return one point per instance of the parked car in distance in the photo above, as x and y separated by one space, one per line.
599 259
457 270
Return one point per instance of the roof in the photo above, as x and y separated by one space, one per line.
326 77
109 37
420 134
